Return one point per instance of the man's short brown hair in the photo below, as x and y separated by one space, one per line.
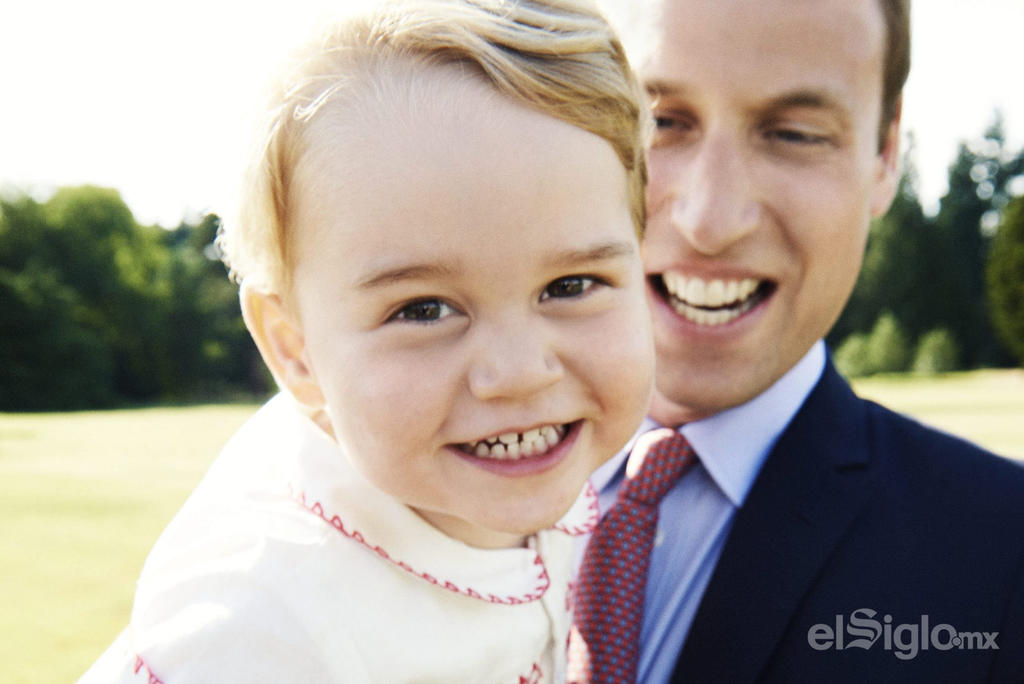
896 66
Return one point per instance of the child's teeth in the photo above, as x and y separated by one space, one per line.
513 445
550 436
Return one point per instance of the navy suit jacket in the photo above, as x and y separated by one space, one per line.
859 514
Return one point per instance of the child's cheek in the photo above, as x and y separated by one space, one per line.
620 365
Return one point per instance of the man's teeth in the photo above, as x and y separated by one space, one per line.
714 302
514 445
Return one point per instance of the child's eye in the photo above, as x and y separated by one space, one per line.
569 286
423 311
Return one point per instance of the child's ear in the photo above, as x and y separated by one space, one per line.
279 338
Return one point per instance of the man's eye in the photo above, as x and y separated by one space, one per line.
423 311
570 286
671 128
665 122
789 135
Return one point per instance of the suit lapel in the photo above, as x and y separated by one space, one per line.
808 493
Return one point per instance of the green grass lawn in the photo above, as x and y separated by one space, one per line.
985 406
83 497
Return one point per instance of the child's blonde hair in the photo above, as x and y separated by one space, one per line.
558 57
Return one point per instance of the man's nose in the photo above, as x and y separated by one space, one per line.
514 361
715 201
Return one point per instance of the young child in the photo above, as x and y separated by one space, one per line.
439 263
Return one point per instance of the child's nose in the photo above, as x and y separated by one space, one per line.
511 365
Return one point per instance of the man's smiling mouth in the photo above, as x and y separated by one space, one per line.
711 302
517 445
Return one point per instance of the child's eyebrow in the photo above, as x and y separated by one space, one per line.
600 252
574 257
396 274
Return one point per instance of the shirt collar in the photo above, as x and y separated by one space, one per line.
733 444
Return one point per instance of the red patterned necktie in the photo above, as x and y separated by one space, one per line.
609 606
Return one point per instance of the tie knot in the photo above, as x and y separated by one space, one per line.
658 459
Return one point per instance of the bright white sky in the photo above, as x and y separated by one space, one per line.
154 98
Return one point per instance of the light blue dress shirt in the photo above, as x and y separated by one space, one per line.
696 515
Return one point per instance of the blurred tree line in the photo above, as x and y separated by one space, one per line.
943 292
97 310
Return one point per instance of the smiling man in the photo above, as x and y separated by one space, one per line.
819 532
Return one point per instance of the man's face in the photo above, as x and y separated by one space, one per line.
765 171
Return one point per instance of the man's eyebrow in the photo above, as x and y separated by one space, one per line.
393 274
812 99
600 252
804 97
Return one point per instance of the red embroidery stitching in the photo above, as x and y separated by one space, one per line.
590 523
151 677
536 674
543 581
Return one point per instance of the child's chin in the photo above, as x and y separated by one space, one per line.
537 519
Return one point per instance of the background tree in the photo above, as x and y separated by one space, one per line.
905 254
885 350
50 357
98 310
1005 276
113 265
852 357
211 351
936 353
888 349
53 354
929 270
978 191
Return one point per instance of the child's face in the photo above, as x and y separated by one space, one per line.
467 271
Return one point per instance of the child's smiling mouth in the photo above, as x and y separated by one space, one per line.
510 446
